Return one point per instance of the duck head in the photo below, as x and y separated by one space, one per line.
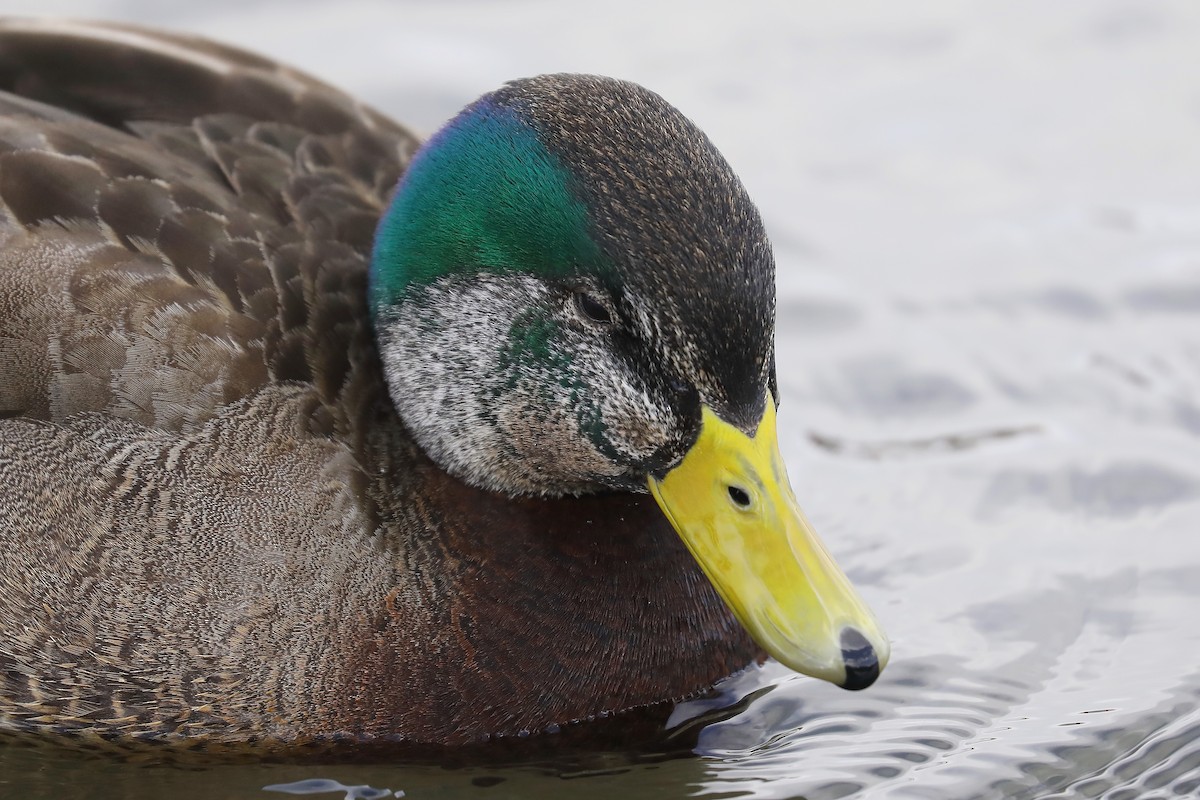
572 292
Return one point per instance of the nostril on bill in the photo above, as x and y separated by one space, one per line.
861 660
739 496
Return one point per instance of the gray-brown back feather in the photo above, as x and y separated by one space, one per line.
183 254
184 359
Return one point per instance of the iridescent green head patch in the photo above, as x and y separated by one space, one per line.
483 195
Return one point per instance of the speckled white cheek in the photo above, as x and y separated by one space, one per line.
437 349
503 424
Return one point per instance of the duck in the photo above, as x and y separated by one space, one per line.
313 432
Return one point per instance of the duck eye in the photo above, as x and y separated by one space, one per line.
592 308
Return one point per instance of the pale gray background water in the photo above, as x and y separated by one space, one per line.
987 220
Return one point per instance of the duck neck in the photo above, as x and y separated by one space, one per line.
521 614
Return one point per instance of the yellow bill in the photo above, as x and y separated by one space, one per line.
731 502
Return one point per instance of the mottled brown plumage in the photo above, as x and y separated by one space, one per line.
214 527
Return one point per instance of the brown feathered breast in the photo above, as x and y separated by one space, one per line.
214 528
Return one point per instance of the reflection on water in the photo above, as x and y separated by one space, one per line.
989 355
1120 489
326 786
